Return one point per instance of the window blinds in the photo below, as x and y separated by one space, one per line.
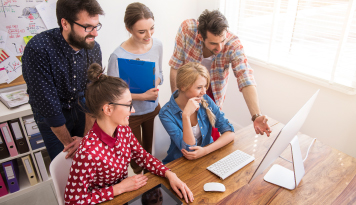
311 38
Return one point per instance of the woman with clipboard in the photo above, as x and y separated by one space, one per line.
139 21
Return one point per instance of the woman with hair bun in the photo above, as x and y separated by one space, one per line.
190 115
139 22
99 167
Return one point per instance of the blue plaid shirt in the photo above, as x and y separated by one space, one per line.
55 74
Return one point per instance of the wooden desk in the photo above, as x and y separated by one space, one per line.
329 175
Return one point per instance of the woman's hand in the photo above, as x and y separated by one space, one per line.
179 187
191 106
130 184
198 152
151 94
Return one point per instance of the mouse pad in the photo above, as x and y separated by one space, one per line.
159 195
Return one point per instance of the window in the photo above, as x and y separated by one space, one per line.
312 39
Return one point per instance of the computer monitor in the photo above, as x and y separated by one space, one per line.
279 175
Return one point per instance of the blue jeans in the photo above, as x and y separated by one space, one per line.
75 123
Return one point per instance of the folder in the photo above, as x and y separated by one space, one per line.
3 189
36 141
30 125
29 170
3 149
18 135
42 166
12 175
139 75
5 130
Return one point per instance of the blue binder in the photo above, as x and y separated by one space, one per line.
139 75
12 175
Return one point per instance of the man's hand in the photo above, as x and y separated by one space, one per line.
261 126
72 147
198 152
179 187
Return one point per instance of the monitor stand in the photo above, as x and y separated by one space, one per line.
284 177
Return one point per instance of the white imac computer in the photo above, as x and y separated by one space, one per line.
279 175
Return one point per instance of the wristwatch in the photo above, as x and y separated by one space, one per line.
255 116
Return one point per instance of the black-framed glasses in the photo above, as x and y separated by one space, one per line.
89 28
122 105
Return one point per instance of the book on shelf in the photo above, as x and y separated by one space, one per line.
14 98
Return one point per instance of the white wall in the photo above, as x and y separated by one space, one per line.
332 119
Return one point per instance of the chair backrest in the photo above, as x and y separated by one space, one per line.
161 140
59 169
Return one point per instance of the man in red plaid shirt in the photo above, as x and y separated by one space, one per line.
207 41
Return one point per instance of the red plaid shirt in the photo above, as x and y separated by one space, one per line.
188 48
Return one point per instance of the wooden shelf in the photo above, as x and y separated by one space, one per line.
17 81
15 157
39 149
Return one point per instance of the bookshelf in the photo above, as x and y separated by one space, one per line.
25 187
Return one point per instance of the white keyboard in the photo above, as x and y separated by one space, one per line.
230 164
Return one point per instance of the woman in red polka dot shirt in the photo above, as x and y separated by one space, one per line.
99 168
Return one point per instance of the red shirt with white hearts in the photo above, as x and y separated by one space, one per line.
101 161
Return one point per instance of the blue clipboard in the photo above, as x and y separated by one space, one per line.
139 75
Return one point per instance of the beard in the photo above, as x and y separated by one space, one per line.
211 51
79 42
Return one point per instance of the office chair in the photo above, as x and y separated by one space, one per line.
59 169
161 140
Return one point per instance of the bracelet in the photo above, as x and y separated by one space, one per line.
255 116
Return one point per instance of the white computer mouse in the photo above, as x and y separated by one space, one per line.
214 186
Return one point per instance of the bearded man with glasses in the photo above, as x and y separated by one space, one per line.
55 64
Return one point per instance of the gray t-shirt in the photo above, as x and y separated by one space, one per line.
155 54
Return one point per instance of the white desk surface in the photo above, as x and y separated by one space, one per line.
9 114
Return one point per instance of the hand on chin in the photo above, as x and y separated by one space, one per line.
199 99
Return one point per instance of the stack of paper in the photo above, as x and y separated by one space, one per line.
14 98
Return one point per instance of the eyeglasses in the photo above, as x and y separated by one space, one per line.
122 105
89 28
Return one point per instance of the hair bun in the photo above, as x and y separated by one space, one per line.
95 72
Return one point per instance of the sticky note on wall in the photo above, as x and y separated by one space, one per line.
27 39
20 58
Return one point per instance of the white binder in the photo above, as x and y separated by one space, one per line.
41 166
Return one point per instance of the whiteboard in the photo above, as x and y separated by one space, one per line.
19 18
